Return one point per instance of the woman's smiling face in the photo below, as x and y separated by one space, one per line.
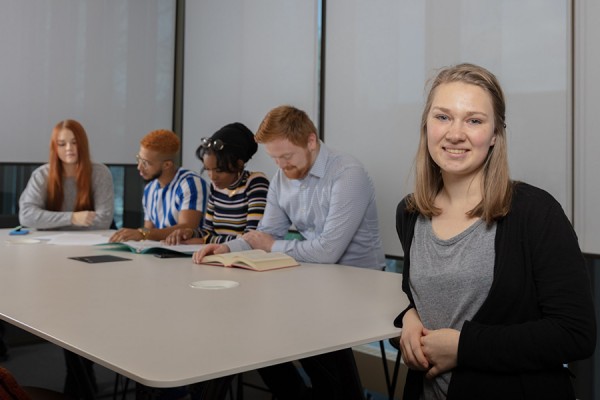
460 128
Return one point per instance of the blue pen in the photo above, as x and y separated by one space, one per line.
19 230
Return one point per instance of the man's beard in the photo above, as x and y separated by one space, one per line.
153 177
295 173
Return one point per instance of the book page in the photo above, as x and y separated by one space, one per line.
255 259
183 248
259 255
74 239
140 246
264 261
229 258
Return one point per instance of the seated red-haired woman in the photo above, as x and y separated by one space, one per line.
70 192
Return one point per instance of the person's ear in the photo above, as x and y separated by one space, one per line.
312 141
167 163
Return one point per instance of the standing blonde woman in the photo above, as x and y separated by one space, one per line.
499 293
70 192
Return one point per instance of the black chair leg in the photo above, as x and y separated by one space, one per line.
3 347
386 371
80 381
116 387
240 387
216 388
125 385
392 381
395 375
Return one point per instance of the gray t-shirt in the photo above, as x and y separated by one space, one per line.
450 280
32 204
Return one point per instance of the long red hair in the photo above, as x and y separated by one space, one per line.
83 176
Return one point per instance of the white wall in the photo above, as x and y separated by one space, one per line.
587 137
242 58
379 57
108 65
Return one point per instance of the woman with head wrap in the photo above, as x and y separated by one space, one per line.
237 196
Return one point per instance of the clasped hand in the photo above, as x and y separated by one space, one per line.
434 351
83 218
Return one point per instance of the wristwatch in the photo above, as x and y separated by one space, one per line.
144 232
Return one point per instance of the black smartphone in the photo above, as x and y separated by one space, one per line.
171 255
100 259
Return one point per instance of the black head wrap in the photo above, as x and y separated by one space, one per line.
230 143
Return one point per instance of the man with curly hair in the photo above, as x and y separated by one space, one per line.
174 197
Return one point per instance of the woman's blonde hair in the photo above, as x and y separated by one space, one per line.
497 186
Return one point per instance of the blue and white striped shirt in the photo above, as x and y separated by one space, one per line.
333 208
187 191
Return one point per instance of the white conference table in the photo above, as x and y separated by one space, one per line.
142 319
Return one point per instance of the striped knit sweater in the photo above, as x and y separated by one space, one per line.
233 211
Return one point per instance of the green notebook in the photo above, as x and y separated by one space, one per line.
153 247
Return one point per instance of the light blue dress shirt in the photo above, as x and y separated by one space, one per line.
333 208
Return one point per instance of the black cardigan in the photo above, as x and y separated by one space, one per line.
538 315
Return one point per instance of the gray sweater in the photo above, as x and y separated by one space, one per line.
32 204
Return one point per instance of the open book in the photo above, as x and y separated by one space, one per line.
153 247
257 260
